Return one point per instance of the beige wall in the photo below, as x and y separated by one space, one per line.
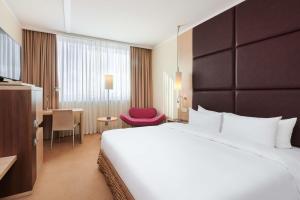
164 68
9 23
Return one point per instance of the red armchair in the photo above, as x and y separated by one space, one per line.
143 117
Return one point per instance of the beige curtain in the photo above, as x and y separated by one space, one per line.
39 64
141 77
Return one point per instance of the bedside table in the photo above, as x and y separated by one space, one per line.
177 120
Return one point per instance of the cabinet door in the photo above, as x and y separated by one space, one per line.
34 127
39 150
39 131
16 139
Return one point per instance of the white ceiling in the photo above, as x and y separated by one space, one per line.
141 22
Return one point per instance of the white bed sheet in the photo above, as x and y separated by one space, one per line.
175 162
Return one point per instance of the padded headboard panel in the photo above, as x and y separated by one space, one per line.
247 61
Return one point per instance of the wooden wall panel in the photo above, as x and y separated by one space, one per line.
215 71
272 64
266 38
221 101
214 35
260 19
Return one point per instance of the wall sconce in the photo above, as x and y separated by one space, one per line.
178 79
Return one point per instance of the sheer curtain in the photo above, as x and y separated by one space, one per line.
82 64
10 57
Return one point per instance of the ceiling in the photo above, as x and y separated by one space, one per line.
141 22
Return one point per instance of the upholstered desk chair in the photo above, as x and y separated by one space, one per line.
63 120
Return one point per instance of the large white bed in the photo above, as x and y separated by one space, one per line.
176 161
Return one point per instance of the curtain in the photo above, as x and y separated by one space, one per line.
141 77
39 64
82 64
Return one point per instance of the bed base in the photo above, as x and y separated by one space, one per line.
116 185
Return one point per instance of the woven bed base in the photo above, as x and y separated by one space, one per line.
113 180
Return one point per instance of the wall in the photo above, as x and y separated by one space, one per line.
9 23
164 68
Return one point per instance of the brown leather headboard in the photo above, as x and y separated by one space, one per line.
247 61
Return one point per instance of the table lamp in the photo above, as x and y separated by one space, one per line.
108 86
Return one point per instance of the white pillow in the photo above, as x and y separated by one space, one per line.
210 112
204 121
259 130
284 133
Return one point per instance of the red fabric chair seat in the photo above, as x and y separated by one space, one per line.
143 117
142 112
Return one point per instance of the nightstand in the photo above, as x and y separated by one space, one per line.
177 120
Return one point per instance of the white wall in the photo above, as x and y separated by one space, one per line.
9 23
163 72
164 68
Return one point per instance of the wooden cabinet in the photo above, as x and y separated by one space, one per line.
20 115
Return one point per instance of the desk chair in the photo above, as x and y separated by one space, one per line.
63 120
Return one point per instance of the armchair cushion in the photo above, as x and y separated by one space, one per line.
141 113
143 121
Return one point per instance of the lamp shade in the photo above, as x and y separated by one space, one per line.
108 81
178 80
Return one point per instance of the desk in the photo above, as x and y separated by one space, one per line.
48 113
5 164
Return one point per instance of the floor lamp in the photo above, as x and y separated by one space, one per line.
108 86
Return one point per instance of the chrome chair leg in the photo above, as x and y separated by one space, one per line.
73 137
52 138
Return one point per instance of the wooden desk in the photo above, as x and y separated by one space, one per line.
75 110
5 164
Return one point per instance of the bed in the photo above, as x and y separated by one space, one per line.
243 63
172 161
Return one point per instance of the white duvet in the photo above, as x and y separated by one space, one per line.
176 162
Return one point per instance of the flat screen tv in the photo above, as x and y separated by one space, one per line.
10 57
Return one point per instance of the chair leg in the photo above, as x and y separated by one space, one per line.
52 138
59 137
73 136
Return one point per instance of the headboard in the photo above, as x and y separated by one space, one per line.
247 61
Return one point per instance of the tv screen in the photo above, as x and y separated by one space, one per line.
10 57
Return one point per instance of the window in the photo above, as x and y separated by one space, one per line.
82 64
